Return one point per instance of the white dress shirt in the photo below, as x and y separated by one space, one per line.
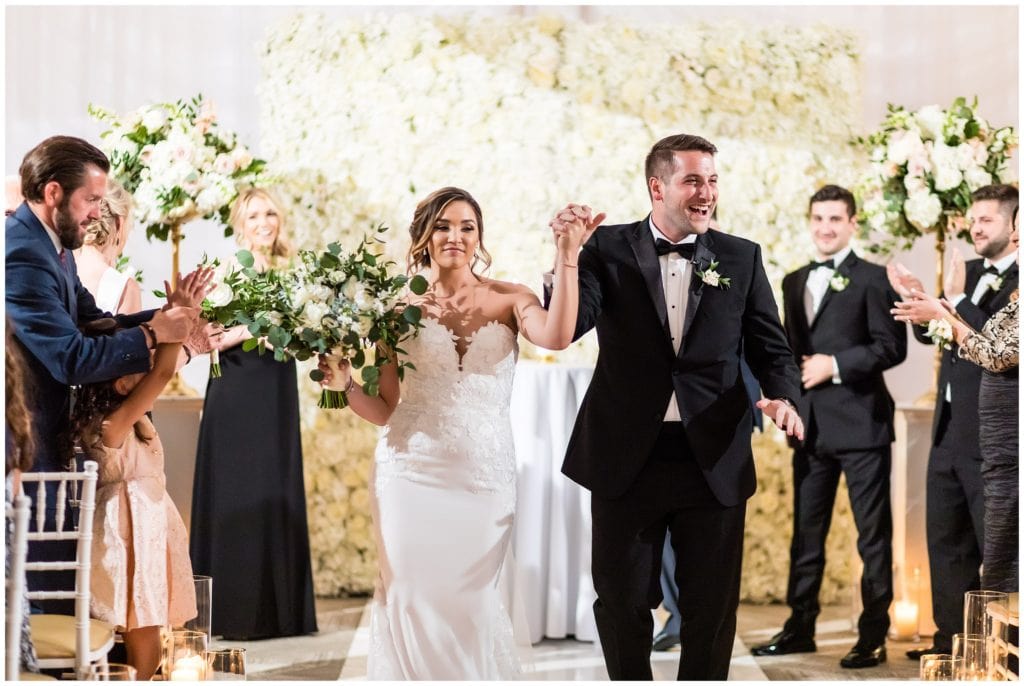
675 280
818 285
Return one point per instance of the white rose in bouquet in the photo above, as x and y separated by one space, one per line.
903 144
314 312
221 295
154 118
930 120
976 177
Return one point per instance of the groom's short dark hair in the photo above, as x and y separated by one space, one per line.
660 160
1005 194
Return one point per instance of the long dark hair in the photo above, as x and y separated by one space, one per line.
19 420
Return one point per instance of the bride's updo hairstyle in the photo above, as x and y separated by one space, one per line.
428 211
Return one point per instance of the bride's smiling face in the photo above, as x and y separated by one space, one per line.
455 236
260 224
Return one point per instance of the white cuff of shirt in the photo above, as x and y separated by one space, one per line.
549 279
835 371
955 300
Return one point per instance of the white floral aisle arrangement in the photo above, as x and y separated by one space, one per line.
177 162
924 167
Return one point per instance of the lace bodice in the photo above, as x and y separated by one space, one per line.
452 424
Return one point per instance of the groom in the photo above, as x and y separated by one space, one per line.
662 439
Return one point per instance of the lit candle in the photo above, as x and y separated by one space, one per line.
906 618
189 668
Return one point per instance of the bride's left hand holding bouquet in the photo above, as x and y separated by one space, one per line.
344 305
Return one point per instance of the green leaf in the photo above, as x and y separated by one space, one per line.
250 344
418 284
160 294
316 375
370 374
412 314
359 359
334 248
254 329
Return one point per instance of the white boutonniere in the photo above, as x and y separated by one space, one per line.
712 277
941 332
996 284
838 282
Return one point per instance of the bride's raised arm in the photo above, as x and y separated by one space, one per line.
376 409
553 328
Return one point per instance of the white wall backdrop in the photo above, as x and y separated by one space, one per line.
61 58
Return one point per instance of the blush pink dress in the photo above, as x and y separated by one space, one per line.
141 572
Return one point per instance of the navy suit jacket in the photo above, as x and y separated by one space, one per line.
638 369
46 303
856 327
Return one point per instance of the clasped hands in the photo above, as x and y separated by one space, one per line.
572 226
337 372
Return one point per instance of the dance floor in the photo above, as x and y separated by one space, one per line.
339 651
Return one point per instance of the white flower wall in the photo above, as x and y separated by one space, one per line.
362 118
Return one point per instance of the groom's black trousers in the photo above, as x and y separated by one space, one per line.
628 536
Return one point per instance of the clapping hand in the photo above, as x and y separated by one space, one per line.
955 280
192 288
337 372
902 280
920 308
784 415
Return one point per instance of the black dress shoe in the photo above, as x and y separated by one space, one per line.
784 643
918 653
863 656
665 641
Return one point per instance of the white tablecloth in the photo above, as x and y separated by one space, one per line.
552 531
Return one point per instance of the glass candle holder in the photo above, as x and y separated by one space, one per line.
112 671
939 667
186 656
973 651
226 665
204 605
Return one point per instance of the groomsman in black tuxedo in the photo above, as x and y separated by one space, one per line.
843 336
662 439
955 504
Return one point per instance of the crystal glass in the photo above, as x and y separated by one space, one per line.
973 651
111 671
940 667
186 656
979 608
226 665
204 605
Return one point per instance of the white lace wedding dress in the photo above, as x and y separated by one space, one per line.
443 506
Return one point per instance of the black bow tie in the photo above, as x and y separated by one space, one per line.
991 269
830 263
663 247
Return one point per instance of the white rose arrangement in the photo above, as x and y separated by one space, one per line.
924 166
177 163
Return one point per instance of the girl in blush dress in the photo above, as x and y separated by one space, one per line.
443 495
141 577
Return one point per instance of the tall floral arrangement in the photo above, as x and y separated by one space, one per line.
177 162
924 167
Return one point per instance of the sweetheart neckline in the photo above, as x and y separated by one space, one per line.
471 339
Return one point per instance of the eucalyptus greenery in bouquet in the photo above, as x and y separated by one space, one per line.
924 167
177 163
342 304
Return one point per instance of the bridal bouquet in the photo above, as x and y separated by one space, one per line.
343 304
240 294
924 167
177 163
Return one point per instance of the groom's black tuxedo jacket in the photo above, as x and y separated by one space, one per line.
964 377
856 326
637 368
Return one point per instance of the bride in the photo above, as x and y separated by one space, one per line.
443 496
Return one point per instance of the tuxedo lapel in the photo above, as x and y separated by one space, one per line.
703 256
844 270
795 305
642 244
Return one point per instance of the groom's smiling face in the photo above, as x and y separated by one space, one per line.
683 202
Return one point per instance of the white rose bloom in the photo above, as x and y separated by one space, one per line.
275 317
1007 172
221 295
241 158
314 313
322 293
902 145
154 119
947 177
365 324
914 184
223 164
711 277
350 287
930 120
923 210
976 177
336 276
877 221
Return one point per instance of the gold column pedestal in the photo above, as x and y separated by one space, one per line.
177 388
928 398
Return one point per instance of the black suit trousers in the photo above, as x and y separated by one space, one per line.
815 479
670 494
955 516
